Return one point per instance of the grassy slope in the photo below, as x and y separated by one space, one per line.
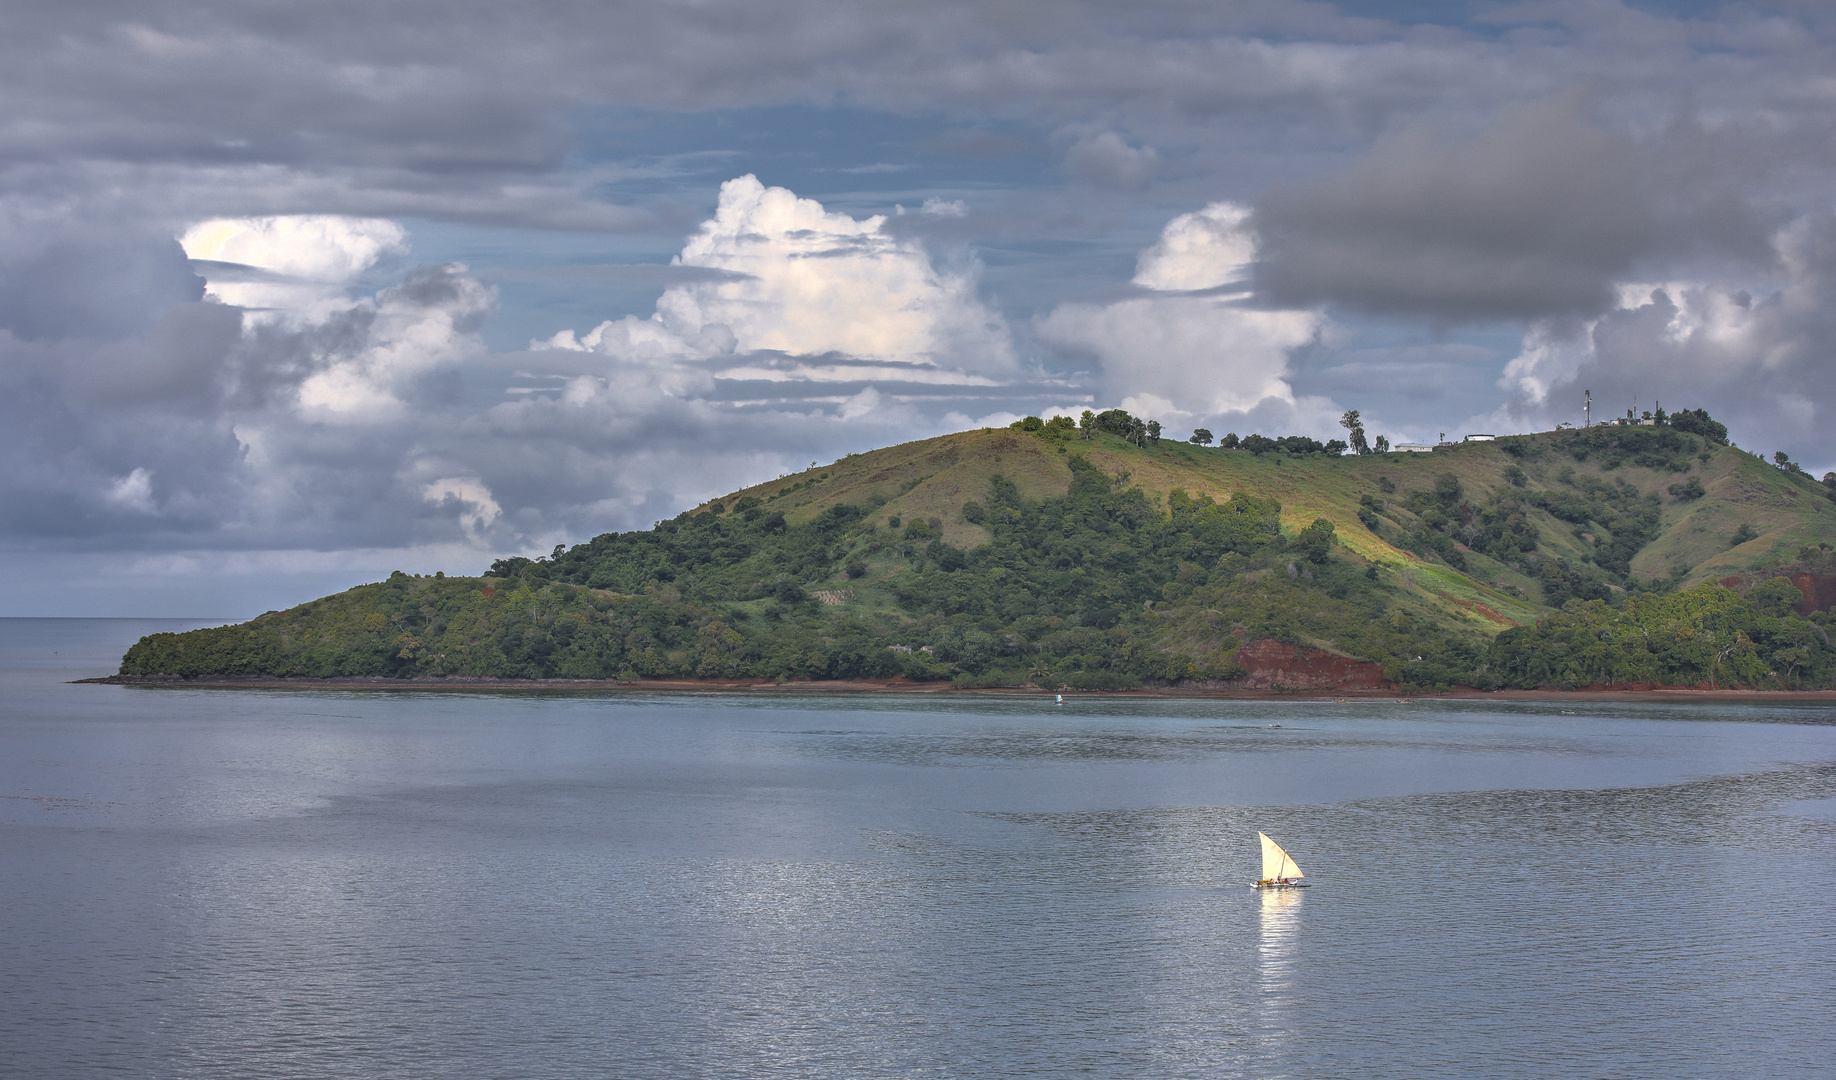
1787 511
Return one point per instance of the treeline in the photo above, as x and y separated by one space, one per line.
1121 423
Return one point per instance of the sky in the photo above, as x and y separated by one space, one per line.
293 296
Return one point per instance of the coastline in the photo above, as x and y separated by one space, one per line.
904 686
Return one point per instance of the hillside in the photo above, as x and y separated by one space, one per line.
1066 558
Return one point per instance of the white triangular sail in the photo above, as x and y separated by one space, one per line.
1276 863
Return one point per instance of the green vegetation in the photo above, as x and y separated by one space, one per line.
1091 555
1706 636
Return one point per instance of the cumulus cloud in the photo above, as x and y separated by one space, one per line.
1189 355
292 263
1759 361
1206 249
806 295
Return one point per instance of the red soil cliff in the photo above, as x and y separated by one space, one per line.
1302 667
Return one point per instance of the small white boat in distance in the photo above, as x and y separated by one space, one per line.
1279 870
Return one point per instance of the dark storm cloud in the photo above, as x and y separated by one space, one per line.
1537 216
85 279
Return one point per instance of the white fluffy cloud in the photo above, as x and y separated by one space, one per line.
1206 249
839 297
1188 355
294 263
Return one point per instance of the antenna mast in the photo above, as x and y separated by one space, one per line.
1587 409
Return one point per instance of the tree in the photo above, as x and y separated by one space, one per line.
1229 441
1783 461
1314 543
1351 423
1202 437
1117 423
1086 425
1775 597
1383 445
1153 432
1698 422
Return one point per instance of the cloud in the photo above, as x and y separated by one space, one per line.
134 491
1536 217
1186 355
1206 249
63 276
327 419
467 498
844 298
1107 160
215 428
823 282
304 260
1759 362
486 118
1416 180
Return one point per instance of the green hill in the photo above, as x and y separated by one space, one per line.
1088 559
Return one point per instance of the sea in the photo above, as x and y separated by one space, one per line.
380 884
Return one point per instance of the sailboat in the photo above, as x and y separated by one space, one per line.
1279 870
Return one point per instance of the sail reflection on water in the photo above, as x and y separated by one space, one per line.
1279 935
1277 971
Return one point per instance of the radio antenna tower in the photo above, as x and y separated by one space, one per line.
1587 409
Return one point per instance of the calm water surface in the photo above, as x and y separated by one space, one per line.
210 884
